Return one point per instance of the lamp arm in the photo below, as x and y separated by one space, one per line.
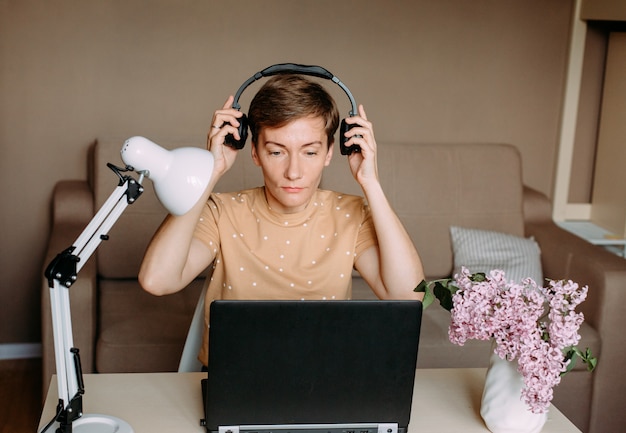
61 273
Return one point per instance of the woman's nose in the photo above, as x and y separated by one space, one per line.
293 168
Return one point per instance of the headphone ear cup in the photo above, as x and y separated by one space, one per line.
230 139
346 150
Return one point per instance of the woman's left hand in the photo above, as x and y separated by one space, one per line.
363 164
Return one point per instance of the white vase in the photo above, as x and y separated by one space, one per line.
502 407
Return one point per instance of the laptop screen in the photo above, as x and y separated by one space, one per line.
308 363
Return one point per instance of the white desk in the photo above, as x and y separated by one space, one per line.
444 401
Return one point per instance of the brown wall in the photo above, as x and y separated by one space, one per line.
426 70
603 10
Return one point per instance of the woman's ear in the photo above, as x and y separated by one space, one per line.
255 155
329 155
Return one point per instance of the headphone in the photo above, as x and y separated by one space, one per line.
292 68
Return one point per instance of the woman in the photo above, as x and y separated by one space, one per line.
287 239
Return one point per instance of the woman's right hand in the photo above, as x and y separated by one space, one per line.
225 121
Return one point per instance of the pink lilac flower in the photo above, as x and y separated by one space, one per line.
513 316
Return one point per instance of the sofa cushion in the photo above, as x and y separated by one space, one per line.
139 332
486 250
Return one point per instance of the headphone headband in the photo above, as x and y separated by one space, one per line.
293 68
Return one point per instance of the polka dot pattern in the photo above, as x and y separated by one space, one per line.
268 255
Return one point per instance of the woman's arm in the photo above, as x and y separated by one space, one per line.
393 268
174 257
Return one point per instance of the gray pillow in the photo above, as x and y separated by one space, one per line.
484 250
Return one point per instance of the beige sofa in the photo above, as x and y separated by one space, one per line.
119 328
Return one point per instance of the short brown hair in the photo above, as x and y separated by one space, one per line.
287 97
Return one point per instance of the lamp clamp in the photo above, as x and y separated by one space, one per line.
135 188
66 416
63 268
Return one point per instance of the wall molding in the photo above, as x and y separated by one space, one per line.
569 116
578 211
20 351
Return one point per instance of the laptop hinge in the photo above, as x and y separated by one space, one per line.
297 428
388 428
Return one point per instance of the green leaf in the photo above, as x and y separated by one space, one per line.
428 299
574 353
423 287
443 291
478 277
571 354
590 360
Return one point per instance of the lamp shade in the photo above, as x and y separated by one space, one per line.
180 176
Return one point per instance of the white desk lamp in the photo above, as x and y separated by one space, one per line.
180 177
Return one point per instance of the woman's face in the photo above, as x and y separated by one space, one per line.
292 159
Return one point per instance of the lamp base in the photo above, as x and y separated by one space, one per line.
96 423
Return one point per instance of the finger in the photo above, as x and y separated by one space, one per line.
357 140
361 136
358 132
229 102
220 132
223 111
362 112
226 115
221 118
360 121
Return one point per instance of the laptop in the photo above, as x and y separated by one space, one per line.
311 366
